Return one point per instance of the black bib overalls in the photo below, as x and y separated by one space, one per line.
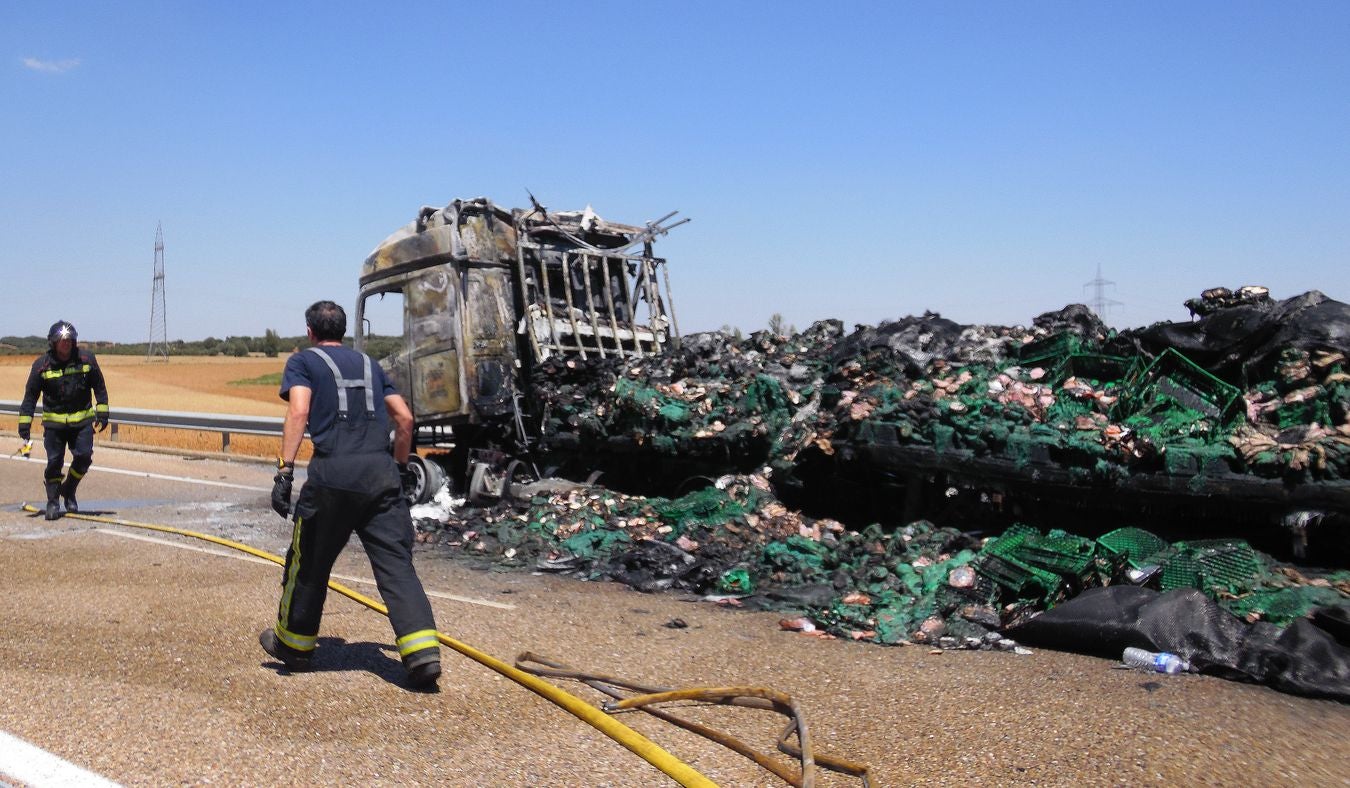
354 486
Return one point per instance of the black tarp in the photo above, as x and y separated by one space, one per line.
1241 343
1301 659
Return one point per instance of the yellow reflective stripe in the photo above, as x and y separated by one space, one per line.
57 373
100 408
56 479
288 587
67 418
297 642
25 419
416 641
74 474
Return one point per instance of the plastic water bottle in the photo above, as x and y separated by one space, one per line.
1156 661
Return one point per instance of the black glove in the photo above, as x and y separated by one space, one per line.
100 422
407 479
281 489
25 432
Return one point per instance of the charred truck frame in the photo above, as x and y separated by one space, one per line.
489 292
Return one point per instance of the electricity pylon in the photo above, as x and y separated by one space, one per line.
158 346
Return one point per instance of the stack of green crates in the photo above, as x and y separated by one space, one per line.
1000 562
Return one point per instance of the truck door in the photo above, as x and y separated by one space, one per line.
379 331
490 358
432 327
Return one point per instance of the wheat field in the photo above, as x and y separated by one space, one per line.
195 384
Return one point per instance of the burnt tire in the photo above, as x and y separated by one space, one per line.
430 478
518 473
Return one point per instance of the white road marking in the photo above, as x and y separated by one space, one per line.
32 766
254 559
145 475
194 548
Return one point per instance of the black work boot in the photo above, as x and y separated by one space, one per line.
424 668
295 661
68 494
53 510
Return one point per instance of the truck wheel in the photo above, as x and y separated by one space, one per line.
478 492
517 473
430 478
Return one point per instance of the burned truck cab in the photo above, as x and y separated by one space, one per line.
486 293
452 267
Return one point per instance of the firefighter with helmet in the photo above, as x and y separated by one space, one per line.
74 402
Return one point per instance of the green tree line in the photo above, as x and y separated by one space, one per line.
270 344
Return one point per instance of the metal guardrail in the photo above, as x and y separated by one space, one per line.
225 424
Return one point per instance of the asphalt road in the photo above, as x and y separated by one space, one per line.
133 655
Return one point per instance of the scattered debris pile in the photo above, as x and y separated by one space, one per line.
735 543
1245 409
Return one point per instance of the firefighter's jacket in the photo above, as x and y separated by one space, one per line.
72 391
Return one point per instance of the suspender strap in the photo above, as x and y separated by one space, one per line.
350 383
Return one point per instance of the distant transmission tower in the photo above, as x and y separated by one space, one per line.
1100 303
159 330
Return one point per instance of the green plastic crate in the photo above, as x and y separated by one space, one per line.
1139 547
1063 555
1019 578
1173 375
1231 565
1011 539
1098 367
1282 606
1215 565
1180 570
1052 348
999 562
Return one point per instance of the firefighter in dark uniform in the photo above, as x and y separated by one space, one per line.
354 485
74 401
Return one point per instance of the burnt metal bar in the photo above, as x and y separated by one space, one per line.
609 302
652 311
590 304
632 310
524 287
548 301
670 305
571 307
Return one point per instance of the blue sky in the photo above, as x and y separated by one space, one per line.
865 162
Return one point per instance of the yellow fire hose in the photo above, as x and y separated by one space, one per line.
635 742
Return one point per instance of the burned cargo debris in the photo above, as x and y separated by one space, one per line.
735 544
1235 419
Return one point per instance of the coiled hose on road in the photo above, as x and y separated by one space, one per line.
635 742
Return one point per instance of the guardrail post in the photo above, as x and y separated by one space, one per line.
112 434
224 442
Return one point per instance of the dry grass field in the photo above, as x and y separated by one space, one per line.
197 384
